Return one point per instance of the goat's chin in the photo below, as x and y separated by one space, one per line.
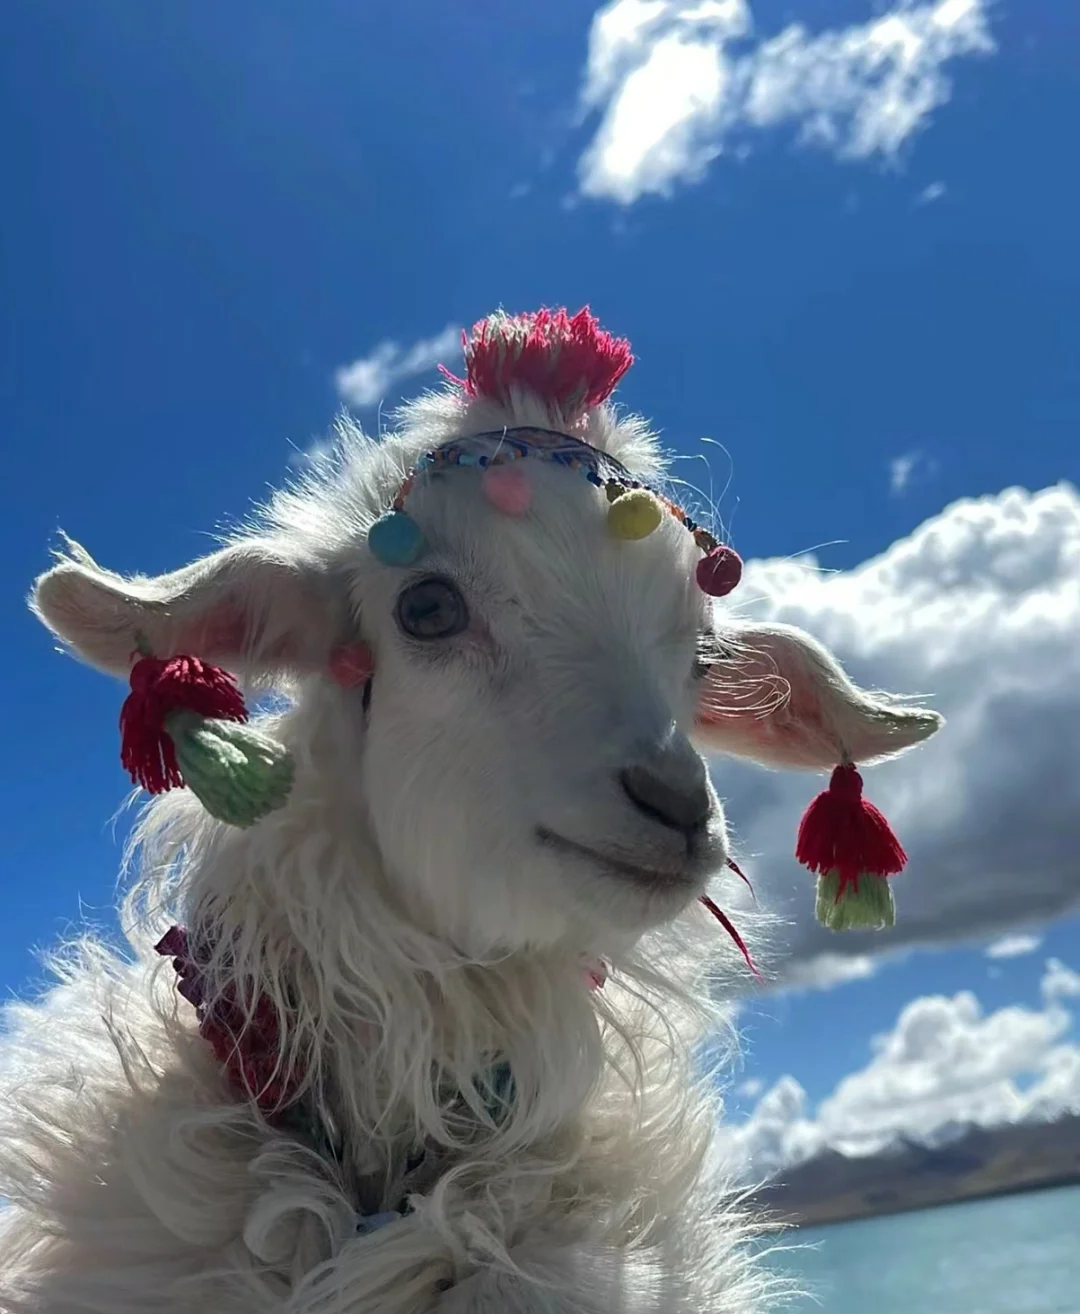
629 893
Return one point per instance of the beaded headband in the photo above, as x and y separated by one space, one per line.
634 509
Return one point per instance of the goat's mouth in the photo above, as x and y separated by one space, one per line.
615 863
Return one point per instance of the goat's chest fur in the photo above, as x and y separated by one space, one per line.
136 1181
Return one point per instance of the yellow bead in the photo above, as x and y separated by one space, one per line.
635 514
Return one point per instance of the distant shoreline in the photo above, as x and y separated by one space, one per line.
1034 1188
980 1164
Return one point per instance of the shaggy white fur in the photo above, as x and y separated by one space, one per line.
417 911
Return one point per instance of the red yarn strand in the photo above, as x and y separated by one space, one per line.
729 926
742 876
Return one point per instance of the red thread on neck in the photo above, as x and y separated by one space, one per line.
246 1044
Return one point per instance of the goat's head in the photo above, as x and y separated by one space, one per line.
523 757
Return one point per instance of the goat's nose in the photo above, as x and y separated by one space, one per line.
684 805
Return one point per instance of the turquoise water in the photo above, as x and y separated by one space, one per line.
1019 1254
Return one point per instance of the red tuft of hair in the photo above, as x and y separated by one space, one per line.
566 360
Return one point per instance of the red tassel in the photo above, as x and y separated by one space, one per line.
160 686
841 831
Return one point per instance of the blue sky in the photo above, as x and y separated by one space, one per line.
211 212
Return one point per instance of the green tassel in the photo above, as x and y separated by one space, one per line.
236 773
864 905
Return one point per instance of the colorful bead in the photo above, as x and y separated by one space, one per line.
395 539
719 572
635 511
352 665
635 515
507 488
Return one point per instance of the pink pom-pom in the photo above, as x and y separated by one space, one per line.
352 665
507 488
719 571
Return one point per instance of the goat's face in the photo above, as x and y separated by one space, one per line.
522 757
526 759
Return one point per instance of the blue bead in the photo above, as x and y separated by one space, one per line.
395 539
367 1223
468 458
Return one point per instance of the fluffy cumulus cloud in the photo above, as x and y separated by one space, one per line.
979 612
365 382
674 82
945 1065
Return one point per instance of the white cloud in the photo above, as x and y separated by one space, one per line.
676 81
1013 945
900 470
944 1064
366 381
934 192
1059 981
909 469
979 610
827 970
779 1132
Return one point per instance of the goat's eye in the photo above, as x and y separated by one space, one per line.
432 609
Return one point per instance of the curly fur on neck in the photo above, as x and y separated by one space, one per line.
134 1174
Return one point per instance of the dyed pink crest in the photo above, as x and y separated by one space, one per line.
567 360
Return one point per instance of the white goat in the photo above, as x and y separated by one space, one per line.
461 836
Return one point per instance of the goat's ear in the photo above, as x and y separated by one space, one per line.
254 608
779 697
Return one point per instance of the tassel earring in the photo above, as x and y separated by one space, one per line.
851 847
183 724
